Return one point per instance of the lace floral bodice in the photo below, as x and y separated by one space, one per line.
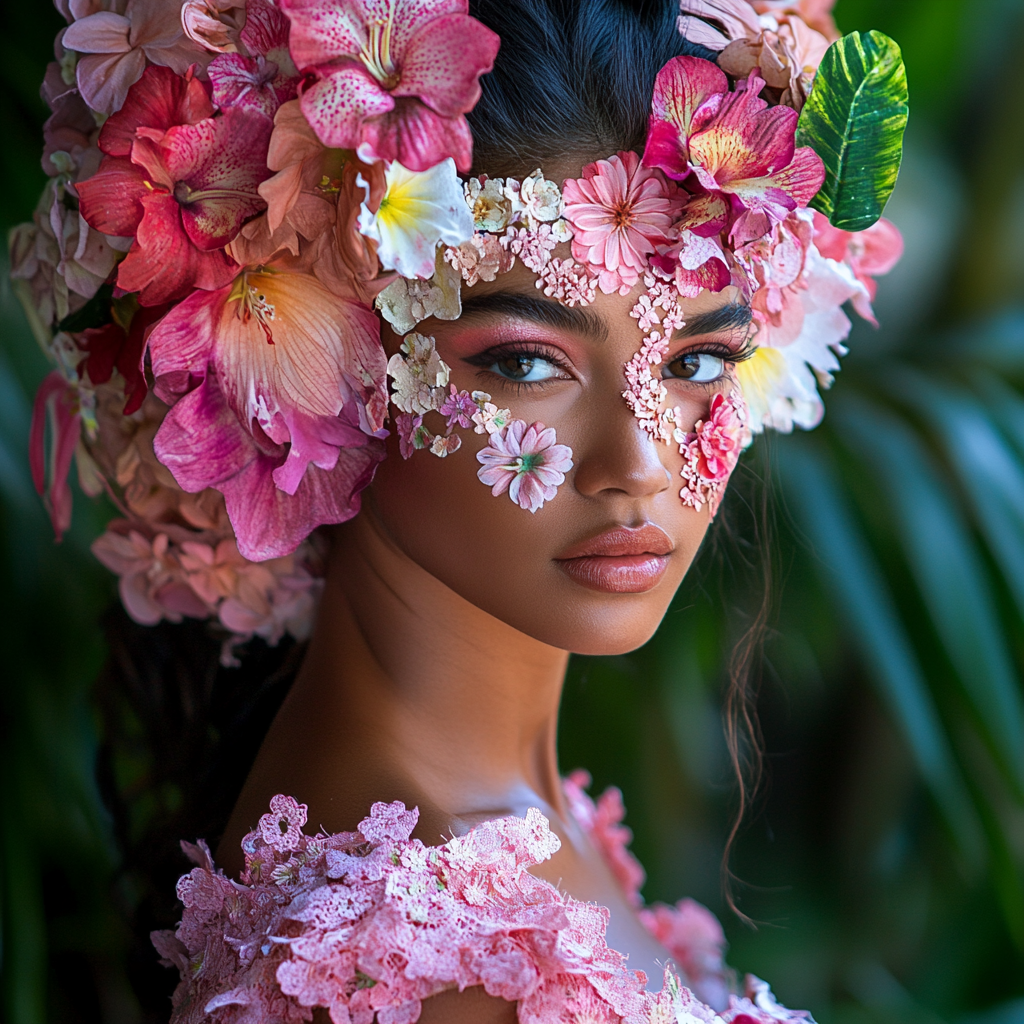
370 923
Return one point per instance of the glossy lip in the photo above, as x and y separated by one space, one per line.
622 560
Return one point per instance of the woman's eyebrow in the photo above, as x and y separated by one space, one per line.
578 320
716 321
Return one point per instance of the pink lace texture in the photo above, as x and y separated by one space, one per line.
368 924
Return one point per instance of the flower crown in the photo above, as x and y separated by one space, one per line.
234 185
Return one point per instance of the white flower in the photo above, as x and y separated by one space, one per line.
404 303
490 206
420 376
418 212
541 198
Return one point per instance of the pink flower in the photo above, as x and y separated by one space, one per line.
391 79
264 77
151 581
459 408
720 439
278 394
567 282
620 213
117 48
733 142
412 435
869 253
282 827
526 462
179 179
694 937
389 823
56 404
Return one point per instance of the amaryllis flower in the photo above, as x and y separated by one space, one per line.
417 212
620 213
278 396
733 143
869 253
117 48
525 461
179 179
392 79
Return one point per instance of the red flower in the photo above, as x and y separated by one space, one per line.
180 180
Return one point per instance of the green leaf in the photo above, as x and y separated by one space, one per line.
854 120
852 574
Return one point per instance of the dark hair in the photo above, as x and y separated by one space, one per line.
572 76
181 731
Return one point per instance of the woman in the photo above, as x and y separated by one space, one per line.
602 336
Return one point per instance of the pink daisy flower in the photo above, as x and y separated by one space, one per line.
526 462
620 212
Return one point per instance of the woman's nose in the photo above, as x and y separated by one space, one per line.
619 456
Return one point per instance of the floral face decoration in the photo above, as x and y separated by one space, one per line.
235 184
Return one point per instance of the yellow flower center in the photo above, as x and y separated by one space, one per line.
376 54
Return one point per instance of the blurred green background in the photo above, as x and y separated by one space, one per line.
883 863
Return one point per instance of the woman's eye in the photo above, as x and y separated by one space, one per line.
525 369
696 366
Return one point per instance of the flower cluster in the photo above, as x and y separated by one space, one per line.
523 460
368 924
202 267
233 185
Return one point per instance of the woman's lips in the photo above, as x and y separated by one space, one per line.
623 560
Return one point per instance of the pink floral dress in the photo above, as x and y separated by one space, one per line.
369 923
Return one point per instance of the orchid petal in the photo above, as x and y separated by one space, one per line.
337 105
444 62
417 137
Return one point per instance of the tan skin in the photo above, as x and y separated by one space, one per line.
436 666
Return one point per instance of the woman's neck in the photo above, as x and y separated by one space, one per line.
409 692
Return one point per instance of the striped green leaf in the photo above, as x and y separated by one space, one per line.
854 120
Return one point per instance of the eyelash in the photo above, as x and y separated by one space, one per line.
533 350
523 350
729 356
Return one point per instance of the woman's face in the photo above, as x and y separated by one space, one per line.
593 571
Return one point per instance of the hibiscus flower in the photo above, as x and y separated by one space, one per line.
391 78
180 180
278 398
737 147
620 213
526 462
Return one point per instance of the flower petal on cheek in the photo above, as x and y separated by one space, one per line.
444 61
338 104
